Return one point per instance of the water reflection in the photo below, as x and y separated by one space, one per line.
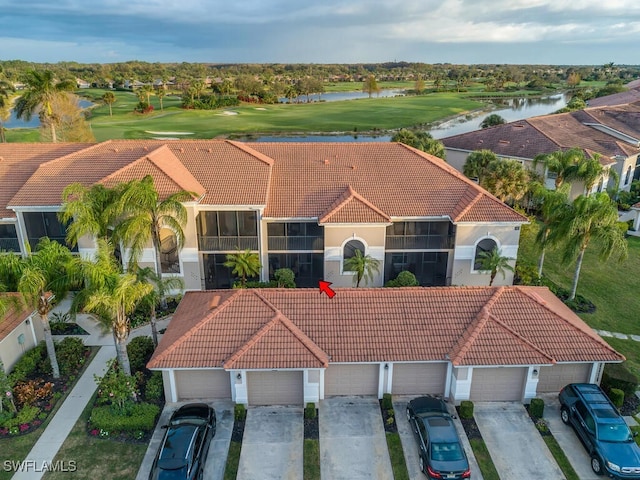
15 122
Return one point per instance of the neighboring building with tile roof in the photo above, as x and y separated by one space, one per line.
482 343
610 132
304 206
20 330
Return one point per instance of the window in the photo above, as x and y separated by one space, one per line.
9 238
227 231
169 261
44 224
295 236
485 245
628 176
350 250
308 268
430 268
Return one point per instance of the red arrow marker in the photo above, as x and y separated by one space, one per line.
324 287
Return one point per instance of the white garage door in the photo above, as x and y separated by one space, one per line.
359 379
275 388
505 384
551 379
202 384
419 378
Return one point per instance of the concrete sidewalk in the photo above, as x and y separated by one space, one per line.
47 446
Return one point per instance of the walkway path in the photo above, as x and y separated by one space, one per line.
623 336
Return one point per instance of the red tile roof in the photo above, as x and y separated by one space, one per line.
298 328
14 316
353 208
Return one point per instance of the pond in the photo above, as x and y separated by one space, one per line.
340 96
15 122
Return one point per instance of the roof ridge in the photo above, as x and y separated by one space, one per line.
470 205
244 348
63 157
165 147
260 156
520 337
345 198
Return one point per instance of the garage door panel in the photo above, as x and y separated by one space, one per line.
552 378
275 388
504 384
419 378
202 384
359 379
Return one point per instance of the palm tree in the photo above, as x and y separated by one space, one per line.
112 296
588 218
568 165
477 162
492 120
551 201
145 216
6 89
494 262
244 264
160 288
506 179
364 266
160 93
109 98
42 90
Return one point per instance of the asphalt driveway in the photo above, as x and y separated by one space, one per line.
515 445
272 444
352 440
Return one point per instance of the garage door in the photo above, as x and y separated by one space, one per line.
419 378
202 384
275 388
351 380
553 378
504 384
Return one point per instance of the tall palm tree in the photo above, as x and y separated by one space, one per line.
161 93
112 296
42 89
6 89
566 164
506 179
364 266
109 98
144 216
551 201
477 162
588 218
494 262
243 264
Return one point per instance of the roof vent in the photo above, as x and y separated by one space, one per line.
518 126
504 142
208 150
115 150
145 148
182 150
353 167
481 141
196 149
326 161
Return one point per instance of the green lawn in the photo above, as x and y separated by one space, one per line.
396 454
484 460
561 458
311 459
233 460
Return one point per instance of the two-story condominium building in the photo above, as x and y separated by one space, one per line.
305 206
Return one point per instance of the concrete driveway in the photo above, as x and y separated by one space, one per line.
515 445
218 450
272 444
352 440
566 437
410 447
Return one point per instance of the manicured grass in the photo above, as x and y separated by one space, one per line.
561 458
396 454
311 459
233 460
630 349
484 460
95 457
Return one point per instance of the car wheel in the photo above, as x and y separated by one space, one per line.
564 415
422 464
596 465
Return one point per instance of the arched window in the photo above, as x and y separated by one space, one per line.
628 177
350 249
484 245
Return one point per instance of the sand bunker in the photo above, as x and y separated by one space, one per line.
168 133
261 108
229 112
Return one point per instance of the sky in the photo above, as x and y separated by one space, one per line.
556 32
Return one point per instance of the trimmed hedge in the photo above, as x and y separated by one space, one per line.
536 407
154 390
138 416
71 354
386 403
310 411
30 362
239 412
616 375
140 350
466 409
617 397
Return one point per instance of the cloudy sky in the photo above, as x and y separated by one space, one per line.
590 32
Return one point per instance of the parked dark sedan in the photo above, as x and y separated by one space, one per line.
184 448
441 454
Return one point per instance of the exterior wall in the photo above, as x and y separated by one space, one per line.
312 380
621 168
460 384
10 347
467 237
336 236
456 158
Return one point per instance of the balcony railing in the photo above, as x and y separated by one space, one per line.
419 242
9 244
295 243
212 244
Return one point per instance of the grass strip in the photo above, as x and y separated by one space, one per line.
485 462
311 459
396 454
561 458
233 460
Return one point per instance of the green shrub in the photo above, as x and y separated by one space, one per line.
30 362
136 416
285 278
616 375
536 408
526 274
310 411
404 279
115 387
140 350
26 414
466 409
386 401
71 355
239 412
6 417
617 397
154 390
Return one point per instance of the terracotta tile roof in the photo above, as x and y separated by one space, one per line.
280 328
353 208
14 316
18 161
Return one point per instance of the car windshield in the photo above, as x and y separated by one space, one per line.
446 452
614 432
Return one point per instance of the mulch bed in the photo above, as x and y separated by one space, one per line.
470 426
540 423
312 428
238 431
389 419
630 405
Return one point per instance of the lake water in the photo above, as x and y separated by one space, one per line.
15 122
340 96
514 109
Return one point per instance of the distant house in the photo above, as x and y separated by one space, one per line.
82 83
19 332
612 133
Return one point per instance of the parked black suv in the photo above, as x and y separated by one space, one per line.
602 430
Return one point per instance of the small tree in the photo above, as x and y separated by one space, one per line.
285 278
364 266
244 264
492 120
370 85
109 98
493 262
404 279
477 163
